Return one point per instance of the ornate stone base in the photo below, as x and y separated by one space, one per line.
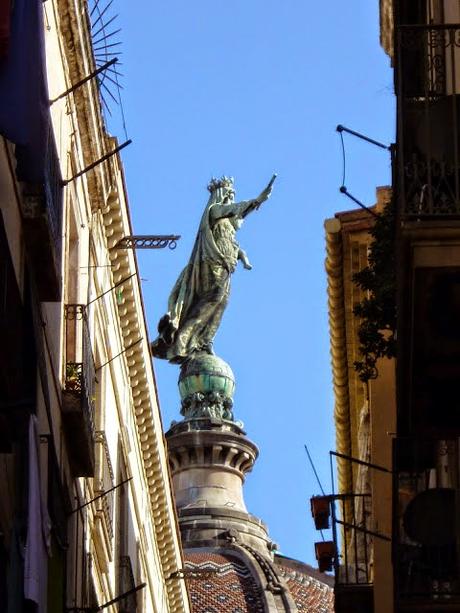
206 386
209 459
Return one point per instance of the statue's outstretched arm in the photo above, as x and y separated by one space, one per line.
252 205
218 211
243 208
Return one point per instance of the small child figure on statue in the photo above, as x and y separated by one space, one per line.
242 256
237 222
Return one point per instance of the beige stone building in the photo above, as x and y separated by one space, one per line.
365 417
87 521
398 435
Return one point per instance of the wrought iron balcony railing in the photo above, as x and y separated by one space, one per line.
127 584
42 213
351 516
79 389
53 189
104 483
425 547
350 554
428 87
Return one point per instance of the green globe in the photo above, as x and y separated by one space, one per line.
206 373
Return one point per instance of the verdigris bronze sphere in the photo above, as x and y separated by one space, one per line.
206 373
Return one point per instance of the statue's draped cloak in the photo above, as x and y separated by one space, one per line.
200 295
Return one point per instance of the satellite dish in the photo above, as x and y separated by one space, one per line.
430 519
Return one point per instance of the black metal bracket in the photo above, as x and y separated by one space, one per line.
106 604
112 288
341 128
148 241
343 190
192 573
345 524
82 506
118 598
84 80
360 462
94 164
119 354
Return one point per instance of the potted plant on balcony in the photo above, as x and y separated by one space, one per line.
72 377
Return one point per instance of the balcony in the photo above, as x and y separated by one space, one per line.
42 206
426 535
427 66
351 517
127 586
358 552
104 495
78 392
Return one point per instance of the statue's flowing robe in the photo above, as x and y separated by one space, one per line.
200 295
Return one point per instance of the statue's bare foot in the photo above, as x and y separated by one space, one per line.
247 266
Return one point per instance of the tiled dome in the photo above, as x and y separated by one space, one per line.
230 564
233 581
311 590
229 587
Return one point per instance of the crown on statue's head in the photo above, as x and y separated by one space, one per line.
223 182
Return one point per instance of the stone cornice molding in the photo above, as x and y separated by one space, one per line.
145 399
226 450
74 30
338 341
387 26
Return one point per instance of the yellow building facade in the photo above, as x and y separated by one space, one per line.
365 422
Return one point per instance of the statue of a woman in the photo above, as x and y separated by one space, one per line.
200 295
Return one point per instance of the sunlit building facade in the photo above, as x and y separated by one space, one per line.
360 511
87 520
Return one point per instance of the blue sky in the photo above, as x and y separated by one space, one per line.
247 88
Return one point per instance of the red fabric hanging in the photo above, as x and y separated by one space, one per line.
5 12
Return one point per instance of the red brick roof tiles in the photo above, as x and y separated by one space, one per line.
309 593
224 584
228 588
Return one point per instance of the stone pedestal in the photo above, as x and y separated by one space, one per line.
209 459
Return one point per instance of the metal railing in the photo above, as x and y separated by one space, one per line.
425 528
126 584
428 88
104 482
353 559
80 375
53 188
352 526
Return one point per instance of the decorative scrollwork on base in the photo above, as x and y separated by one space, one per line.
207 404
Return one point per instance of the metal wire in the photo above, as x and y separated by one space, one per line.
314 470
343 158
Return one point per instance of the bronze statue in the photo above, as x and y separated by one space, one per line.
200 295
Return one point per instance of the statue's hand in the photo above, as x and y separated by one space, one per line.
267 192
